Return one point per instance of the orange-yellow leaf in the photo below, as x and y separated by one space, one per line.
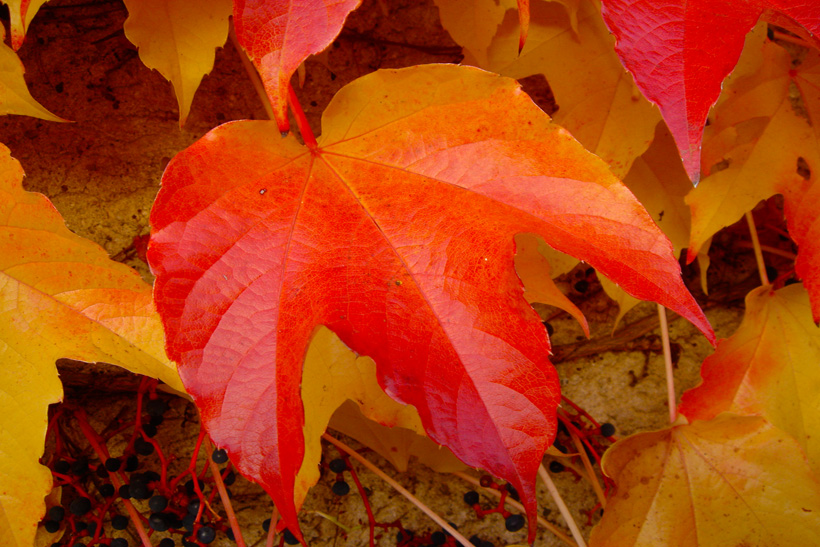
60 296
473 23
21 12
770 367
598 101
14 95
178 38
534 270
395 444
734 480
752 146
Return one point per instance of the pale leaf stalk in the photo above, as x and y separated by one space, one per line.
761 265
562 507
226 500
667 362
593 478
512 503
400 489
252 74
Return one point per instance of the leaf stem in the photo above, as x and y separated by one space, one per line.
301 119
667 362
226 500
400 489
761 265
274 521
511 502
562 507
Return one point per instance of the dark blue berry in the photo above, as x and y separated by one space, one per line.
206 534
158 503
62 467
266 525
149 430
188 522
438 538
193 507
338 465
131 463
512 492
143 447
113 464
107 490
51 526
157 522
219 456
471 498
475 540
556 466
118 542
340 488
167 542
80 506
119 522
289 538
125 491
56 513
156 407
80 467
514 523
607 429
229 479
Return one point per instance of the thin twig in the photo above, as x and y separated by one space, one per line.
667 361
761 266
400 489
769 249
562 507
593 478
511 502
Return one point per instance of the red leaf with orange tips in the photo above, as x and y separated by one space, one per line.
397 232
681 50
278 35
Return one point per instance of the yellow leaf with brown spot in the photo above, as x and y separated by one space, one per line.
60 296
734 480
179 39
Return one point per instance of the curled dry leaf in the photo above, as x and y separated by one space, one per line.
396 232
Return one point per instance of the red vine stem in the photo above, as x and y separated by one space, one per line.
226 500
301 119
274 521
102 454
400 489
370 517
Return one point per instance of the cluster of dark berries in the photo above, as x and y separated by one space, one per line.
97 487
340 486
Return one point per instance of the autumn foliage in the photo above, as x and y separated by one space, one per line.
387 253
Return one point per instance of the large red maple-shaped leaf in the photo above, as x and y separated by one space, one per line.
681 50
396 232
278 35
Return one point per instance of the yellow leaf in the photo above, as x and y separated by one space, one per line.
179 39
473 23
733 480
333 374
60 296
21 12
598 101
756 136
14 95
534 270
768 368
395 444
